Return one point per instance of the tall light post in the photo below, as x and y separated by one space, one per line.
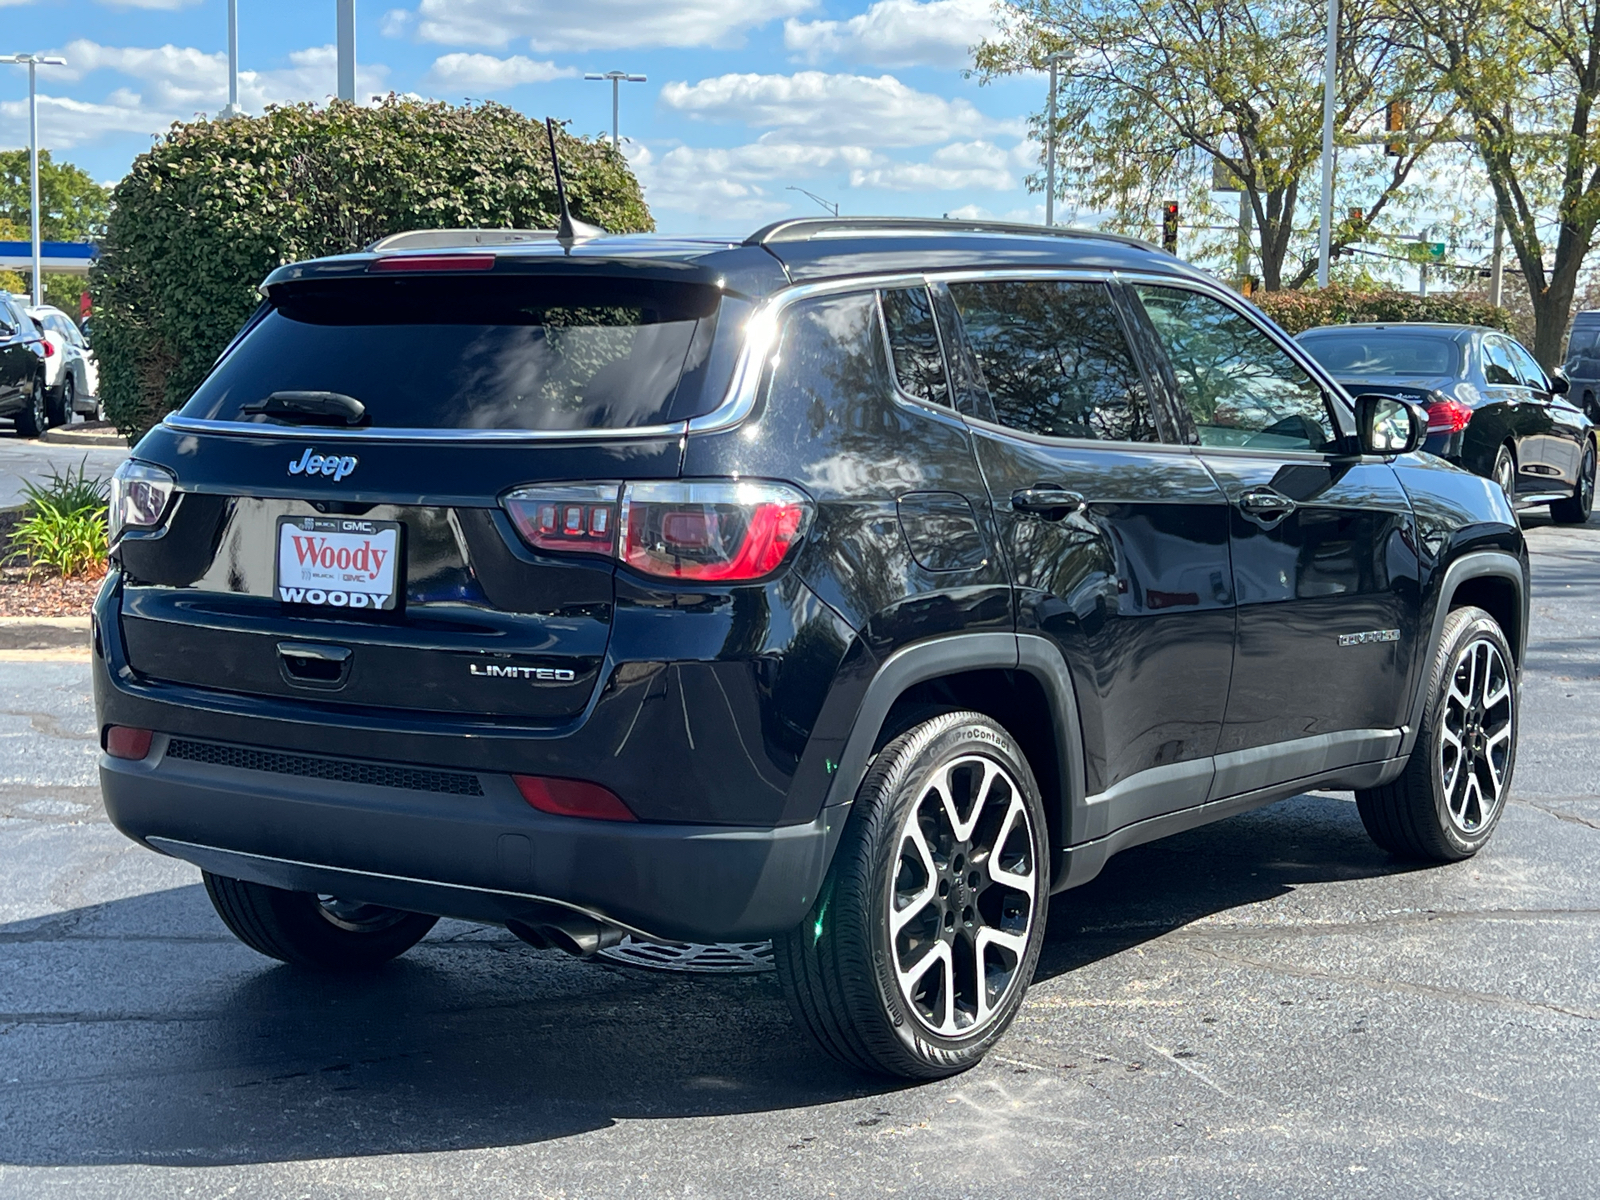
34 61
617 78
1325 226
346 30
1050 144
233 109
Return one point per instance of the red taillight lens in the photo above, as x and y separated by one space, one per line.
123 741
713 531
401 263
1448 416
569 518
572 798
49 350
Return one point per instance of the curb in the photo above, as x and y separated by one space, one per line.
64 436
47 634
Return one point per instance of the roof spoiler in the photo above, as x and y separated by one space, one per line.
453 239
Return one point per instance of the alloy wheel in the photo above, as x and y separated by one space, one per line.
1505 472
1586 479
962 899
1476 736
41 416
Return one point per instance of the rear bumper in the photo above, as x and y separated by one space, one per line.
485 857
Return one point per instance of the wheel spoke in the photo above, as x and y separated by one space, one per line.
1021 880
987 940
898 916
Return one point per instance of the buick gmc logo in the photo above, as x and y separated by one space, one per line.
335 465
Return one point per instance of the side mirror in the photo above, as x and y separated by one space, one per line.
1560 385
1390 425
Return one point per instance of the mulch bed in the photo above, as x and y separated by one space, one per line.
46 594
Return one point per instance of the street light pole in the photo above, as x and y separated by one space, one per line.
346 29
617 78
34 62
1325 226
830 205
1050 146
233 109
1497 263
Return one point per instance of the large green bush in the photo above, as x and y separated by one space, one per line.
1302 309
207 213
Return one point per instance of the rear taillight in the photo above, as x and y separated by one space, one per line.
1448 416
49 350
123 741
572 798
713 531
140 495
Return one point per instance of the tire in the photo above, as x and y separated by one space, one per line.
33 420
1504 472
1575 510
884 972
61 412
1438 808
311 931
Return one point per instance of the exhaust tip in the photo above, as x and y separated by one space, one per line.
577 935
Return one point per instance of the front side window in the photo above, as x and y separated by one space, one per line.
1529 373
1055 359
1238 385
914 344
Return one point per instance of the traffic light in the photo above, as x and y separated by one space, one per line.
1396 119
1169 226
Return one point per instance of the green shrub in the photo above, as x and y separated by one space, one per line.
64 525
215 206
1302 309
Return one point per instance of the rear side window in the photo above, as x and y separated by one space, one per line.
1055 359
1528 370
914 344
503 352
1240 387
1497 365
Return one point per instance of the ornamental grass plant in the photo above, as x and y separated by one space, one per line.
63 527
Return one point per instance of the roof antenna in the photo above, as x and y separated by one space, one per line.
569 230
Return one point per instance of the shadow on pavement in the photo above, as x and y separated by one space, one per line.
166 1043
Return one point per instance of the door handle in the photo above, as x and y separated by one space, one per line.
1264 502
309 665
1051 503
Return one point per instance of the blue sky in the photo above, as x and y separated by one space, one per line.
863 103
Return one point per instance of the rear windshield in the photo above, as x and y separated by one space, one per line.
1380 352
505 352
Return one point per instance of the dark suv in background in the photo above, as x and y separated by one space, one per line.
858 584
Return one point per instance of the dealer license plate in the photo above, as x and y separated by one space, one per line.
337 562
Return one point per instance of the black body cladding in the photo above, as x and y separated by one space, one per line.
1062 540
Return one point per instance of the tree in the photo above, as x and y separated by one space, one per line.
72 206
215 206
1157 91
1526 74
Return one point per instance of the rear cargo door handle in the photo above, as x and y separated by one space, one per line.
306 664
1051 503
1266 503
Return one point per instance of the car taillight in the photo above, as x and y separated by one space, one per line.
712 530
572 798
49 350
140 494
1448 416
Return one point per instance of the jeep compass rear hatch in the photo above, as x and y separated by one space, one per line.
399 490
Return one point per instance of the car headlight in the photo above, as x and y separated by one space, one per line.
141 493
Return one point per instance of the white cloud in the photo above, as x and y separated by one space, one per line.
898 33
741 183
486 73
551 25
812 106
173 83
960 166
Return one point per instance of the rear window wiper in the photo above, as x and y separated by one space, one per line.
310 408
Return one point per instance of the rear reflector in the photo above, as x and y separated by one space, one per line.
572 798
432 262
123 741
1448 416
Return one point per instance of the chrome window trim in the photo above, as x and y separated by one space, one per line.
755 356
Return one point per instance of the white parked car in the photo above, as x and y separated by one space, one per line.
72 380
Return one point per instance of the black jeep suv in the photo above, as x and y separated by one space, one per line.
859 584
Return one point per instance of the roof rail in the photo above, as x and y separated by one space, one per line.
801 229
449 239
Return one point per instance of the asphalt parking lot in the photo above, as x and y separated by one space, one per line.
1265 1007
